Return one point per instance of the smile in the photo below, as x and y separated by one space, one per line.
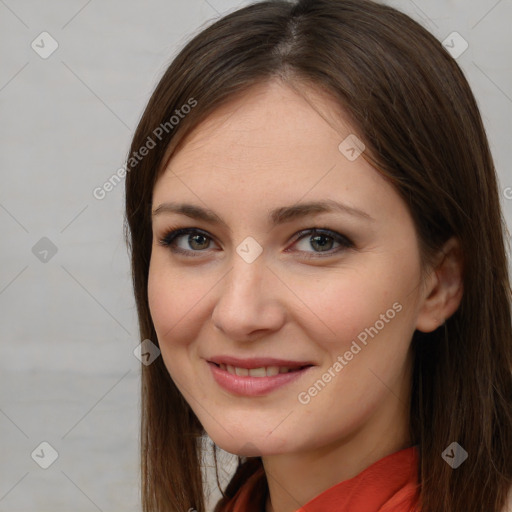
255 381
263 371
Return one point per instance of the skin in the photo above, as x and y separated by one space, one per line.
266 149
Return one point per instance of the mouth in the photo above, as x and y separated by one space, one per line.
257 381
262 371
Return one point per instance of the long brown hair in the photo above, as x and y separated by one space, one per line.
414 110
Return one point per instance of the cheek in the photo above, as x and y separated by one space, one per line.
363 326
176 300
341 306
161 298
175 303
171 298
169 303
369 305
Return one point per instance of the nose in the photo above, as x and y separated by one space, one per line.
249 304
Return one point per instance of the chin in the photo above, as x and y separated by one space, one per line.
249 445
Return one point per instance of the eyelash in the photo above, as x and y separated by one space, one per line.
169 240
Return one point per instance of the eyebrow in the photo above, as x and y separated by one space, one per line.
275 217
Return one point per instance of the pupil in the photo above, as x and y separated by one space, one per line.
192 237
317 237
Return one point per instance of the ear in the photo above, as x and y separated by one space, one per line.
444 288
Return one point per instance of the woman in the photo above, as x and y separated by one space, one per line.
318 252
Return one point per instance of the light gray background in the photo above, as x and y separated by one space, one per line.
68 325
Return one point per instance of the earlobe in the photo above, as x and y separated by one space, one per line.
445 288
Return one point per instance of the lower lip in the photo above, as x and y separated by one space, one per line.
253 386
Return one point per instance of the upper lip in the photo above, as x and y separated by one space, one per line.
257 362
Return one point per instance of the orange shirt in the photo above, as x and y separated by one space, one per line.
388 485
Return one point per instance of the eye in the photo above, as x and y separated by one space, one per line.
198 241
323 239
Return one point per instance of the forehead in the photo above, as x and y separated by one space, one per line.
271 145
270 121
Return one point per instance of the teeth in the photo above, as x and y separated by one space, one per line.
269 371
272 370
243 372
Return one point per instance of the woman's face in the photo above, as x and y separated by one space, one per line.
255 282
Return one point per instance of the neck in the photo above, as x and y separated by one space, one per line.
294 479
